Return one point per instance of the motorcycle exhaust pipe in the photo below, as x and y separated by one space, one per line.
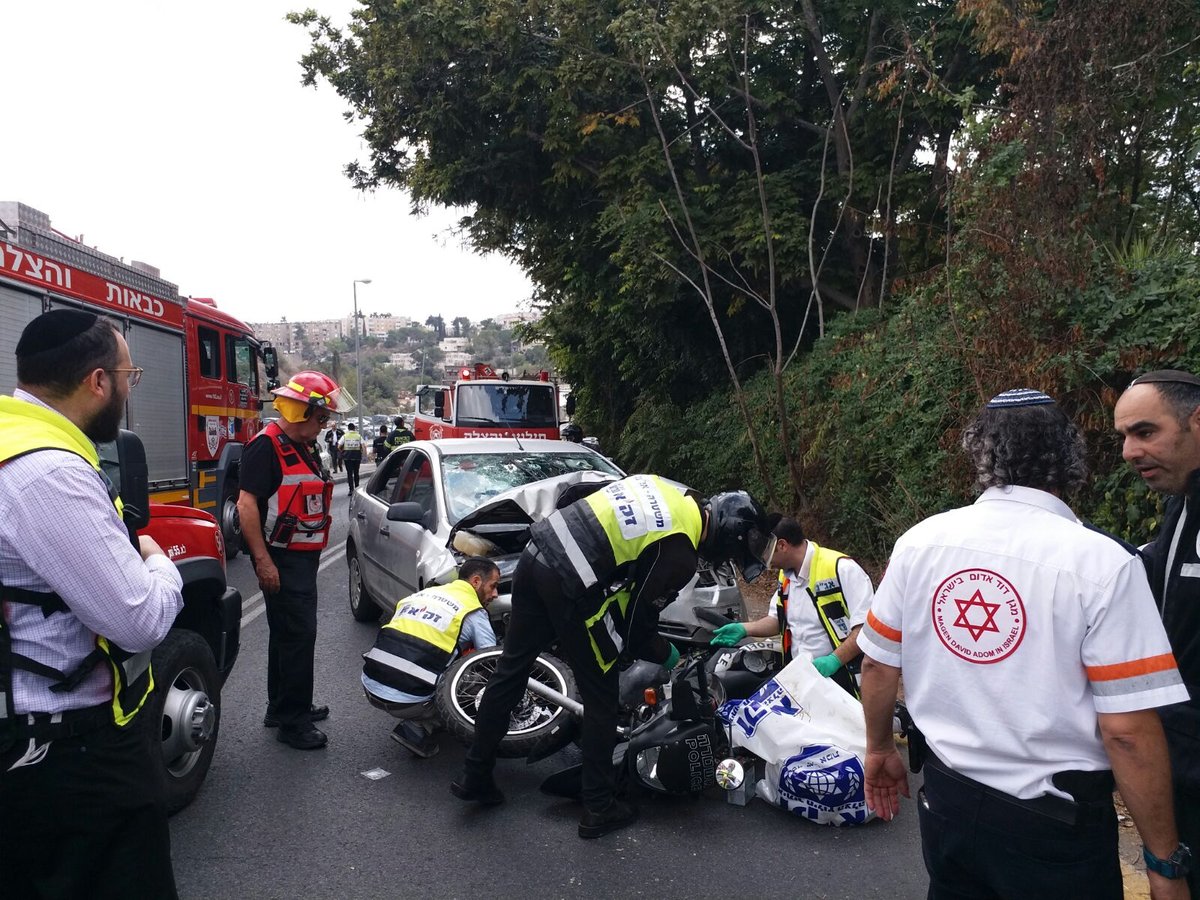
574 707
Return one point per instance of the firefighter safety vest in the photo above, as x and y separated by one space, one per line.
824 589
298 513
415 647
28 428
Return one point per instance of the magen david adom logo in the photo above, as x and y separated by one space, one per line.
979 616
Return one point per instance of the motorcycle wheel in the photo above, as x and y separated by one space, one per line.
460 691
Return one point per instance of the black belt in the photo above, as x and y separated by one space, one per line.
57 726
1048 806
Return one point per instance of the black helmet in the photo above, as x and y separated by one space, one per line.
571 432
737 531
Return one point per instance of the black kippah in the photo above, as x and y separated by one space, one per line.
1166 376
53 329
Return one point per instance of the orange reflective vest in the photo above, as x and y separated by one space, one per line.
298 513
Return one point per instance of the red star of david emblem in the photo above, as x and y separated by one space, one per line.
966 607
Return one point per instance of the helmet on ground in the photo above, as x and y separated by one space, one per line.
307 393
571 432
737 531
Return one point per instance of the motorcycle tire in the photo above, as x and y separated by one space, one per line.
460 690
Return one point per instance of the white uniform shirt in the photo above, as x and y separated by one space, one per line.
60 532
809 637
1014 625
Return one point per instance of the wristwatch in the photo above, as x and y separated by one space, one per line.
1177 865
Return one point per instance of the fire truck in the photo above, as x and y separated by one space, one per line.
483 404
199 402
196 406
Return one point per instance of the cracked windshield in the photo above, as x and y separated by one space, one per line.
471 481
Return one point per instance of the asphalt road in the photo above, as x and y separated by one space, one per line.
364 819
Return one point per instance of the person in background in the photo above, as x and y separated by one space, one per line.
1033 663
82 800
379 447
819 608
1158 417
400 434
351 447
284 507
428 631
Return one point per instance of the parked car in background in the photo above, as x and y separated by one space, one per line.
431 504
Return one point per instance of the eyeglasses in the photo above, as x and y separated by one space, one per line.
325 418
134 374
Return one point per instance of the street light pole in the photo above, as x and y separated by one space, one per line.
362 395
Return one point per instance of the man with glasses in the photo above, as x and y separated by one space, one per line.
284 508
81 608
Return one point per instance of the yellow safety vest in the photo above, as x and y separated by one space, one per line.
27 428
824 590
421 640
589 541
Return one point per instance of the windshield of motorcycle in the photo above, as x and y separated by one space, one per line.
471 479
530 405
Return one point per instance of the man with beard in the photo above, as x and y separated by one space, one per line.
82 609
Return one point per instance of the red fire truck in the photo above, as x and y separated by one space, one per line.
196 406
482 404
198 403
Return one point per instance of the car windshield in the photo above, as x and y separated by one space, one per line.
470 480
531 405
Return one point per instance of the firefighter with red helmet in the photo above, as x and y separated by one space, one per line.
284 507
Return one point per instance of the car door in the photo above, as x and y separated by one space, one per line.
373 527
412 545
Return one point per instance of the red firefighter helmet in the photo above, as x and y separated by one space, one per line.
317 391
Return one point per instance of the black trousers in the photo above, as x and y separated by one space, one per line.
352 471
540 613
1187 818
978 847
87 819
292 619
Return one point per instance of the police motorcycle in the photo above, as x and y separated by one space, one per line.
669 739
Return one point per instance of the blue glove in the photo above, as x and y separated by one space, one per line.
728 635
672 657
827 665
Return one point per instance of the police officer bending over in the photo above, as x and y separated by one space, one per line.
644 534
1033 662
82 813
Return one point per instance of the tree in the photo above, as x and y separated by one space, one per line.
438 324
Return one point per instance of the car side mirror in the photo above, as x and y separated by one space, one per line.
408 511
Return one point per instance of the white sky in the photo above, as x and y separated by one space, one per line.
179 134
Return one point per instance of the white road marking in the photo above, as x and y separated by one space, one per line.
255 603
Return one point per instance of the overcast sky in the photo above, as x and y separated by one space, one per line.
179 134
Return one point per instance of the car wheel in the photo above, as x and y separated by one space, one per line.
362 607
186 704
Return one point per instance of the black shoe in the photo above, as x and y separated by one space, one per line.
415 739
615 816
306 737
315 714
483 792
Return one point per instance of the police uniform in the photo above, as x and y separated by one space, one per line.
294 501
821 602
82 811
1173 563
1014 626
593 577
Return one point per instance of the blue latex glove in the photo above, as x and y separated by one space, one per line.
728 635
672 657
827 665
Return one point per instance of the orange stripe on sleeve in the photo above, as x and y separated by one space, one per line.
1146 666
885 630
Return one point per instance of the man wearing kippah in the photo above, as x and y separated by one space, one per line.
1033 663
82 812
1159 418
